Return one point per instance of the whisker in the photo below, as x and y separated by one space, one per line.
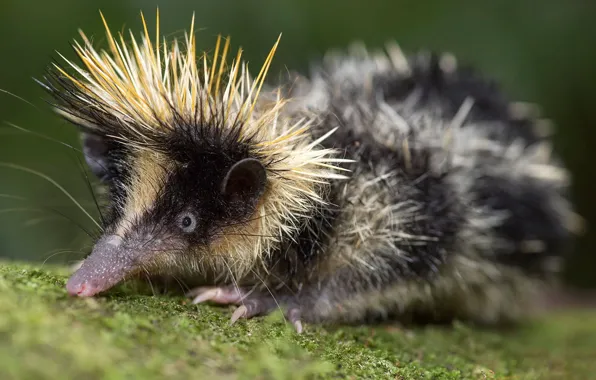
40 135
10 196
282 282
20 98
19 198
45 137
148 277
75 223
185 288
57 252
90 188
35 221
269 290
245 235
53 182
234 282
17 209
246 221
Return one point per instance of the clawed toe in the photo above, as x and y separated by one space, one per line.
260 306
240 312
252 307
250 304
293 316
220 295
206 295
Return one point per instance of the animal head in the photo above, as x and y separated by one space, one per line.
205 172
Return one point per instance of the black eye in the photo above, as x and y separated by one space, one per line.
187 222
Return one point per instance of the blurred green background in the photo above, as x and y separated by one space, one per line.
540 51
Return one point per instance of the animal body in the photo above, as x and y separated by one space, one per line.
378 186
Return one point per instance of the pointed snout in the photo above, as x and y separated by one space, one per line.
110 262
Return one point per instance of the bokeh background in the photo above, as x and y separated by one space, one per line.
540 51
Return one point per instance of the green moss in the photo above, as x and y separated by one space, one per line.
46 334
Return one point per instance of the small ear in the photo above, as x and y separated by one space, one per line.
245 180
95 150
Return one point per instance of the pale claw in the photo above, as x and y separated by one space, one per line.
293 315
250 304
206 295
221 295
240 312
252 307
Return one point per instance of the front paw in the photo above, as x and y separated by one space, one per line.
251 303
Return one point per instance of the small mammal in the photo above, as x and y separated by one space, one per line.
379 186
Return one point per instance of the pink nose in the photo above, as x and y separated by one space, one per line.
81 289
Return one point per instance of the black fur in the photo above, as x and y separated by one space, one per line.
528 217
445 212
216 178
449 89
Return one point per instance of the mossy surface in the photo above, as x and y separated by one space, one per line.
44 334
